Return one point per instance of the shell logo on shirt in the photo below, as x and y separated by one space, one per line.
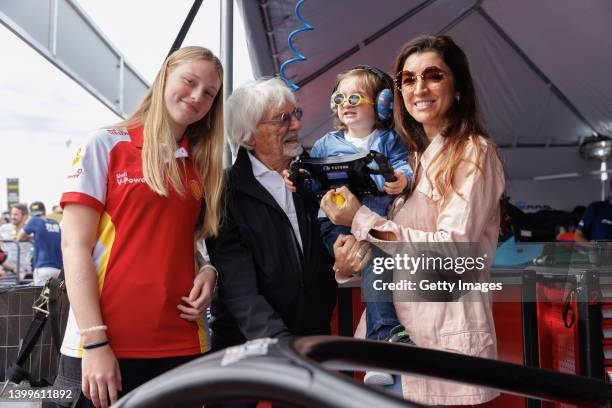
123 178
77 158
196 189
77 174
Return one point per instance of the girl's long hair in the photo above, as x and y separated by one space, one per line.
160 168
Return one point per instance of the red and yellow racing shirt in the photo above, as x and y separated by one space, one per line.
144 253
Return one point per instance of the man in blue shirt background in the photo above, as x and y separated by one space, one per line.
596 222
47 243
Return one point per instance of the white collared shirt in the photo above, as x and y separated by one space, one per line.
274 183
363 143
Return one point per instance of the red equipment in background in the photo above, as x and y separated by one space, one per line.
563 331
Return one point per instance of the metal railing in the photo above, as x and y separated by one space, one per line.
298 372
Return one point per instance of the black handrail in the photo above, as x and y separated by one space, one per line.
507 377
288 371
280 375
529 324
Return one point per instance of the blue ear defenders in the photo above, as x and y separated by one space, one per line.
384 100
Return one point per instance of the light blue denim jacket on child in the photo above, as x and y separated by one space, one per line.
387 142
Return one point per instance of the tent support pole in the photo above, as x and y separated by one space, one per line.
227 58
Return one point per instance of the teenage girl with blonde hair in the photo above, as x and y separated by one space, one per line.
130 213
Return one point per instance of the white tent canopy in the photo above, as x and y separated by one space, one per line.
543 70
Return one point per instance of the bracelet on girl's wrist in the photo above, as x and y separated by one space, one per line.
95 344
100 327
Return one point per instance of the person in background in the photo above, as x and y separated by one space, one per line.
47 239
56 213
19 215
596 222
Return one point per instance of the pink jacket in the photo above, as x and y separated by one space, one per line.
461 327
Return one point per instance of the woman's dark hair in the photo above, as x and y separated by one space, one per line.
463 117
464 126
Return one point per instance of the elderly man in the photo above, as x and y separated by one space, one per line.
275 276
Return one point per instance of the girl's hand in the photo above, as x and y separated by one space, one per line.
340 215
200 296
101 378
397 186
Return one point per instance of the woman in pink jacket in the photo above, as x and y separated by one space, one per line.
455 197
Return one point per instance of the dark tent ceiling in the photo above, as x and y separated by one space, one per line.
543 68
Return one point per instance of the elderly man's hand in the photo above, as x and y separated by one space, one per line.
344 214
351 256
200 295
286 177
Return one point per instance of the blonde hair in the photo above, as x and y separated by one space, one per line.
370 84
160 169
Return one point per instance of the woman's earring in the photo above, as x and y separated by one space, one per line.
457 97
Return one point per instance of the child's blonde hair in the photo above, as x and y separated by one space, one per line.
370 85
